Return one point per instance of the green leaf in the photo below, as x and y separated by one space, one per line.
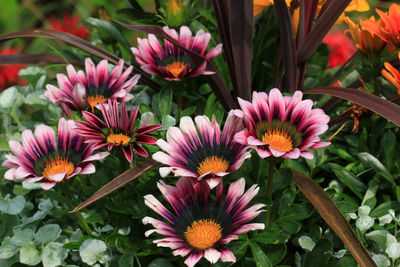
32 74
12 206
269 238
160 262
126 261
92 250
165 102
320 254
348 179
22 237
36 98
29 255
7 248
167 121
259 256
289 225
48 233
389 144
374 163
8 97
306 243
378 237
53 254
384 207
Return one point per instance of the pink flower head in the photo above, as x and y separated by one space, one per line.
170 61
341 48
114 129
40 157
80 91
281 126
69 24
203 153
198 226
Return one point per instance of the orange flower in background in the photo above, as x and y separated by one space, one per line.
69 24
341 48
9 73
366 35
390 24
392 75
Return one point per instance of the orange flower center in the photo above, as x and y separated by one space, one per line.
58 165
118 139
176 68
93 100
213 164
278 140
203 234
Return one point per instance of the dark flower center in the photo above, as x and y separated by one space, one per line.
279 135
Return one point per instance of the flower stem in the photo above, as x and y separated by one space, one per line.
271 168
123 162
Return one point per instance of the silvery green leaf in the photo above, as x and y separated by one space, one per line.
48 233
364 223
352 215
124 231
92 251
393 250
106 228
339 254
22 237
12 206
306 243
8 97
385 219
390 239
53 254
29 255
30 186
7 248
381 260
363 211
378 237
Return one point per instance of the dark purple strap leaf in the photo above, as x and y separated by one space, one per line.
78 42
216 81
372 102
288 46
321 28
22 59
121 180
333 217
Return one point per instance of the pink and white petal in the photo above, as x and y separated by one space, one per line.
227 239
307 154
235 191
242 137
212 255
184 36
213 182
187 127
245 199
182 252
249 227
263 153
320 145
58 177
97 156
199 70
88 169
153 203
165 171
251 140
214 52
193 258
276 153
293 154
79 95
21 173
276 104
47 185
45 136
9 175
35 179
227 255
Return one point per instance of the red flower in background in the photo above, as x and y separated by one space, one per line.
9 73
341 48
69 24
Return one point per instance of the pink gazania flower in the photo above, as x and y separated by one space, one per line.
113 129
80 91
281 126
69 24
171 62
198 226
207 155
40 157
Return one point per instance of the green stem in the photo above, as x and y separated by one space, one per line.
123 162
82 222
269 193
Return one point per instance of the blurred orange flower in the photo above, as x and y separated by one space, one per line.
392 75
390 24
367 35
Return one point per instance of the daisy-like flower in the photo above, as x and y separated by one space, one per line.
80 91
281 126
171 62
199 227
392 75
390 24
115 129
69 24
205 153
41 158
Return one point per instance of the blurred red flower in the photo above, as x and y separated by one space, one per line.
340 46
69 24
9 73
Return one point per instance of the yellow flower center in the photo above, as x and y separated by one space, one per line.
278 140
93 100
58 165
176 68
213 164
118 138
203 234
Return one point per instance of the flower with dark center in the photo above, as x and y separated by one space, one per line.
80 91
198 226
171 62
41 158
202 153
117 128
282 126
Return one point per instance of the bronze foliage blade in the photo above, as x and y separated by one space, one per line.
26 59
121 180
380 106
333 217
